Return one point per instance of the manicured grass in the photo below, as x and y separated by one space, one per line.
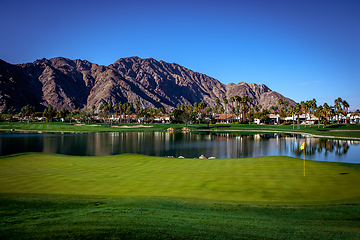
48 196
58 217
264 180
74 127
340 131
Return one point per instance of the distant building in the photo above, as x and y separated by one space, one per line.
225 118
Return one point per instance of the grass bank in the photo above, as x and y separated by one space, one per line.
337 131
129 196
58 217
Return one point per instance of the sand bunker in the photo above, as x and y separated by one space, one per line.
135 126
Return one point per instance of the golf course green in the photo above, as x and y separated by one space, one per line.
262 180
130 196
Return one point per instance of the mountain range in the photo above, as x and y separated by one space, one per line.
74 84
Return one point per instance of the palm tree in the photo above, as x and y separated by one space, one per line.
92 110
225 101
217 101
109 108
244 101
202 106
196 108
327 109
50 112
274 108
286 104
345 109
320 113
116 108
124 107
64 112
298 111
312 105
292 111
337 106
101 111
28 111
137 106
250 101
12 111
232 100
238 100
304 106
280 102
120 105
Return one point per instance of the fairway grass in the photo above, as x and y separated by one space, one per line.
129 196
262 180
349 131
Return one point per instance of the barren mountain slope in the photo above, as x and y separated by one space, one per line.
73 84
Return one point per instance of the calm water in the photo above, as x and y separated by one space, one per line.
190 145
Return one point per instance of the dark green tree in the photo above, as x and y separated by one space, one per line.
50 112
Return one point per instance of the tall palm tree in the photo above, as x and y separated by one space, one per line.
137 106
319 113
116 108
202 106
304 106
244 101
50 112
238 100
249 102
217 101
337 105
232 100
345 109
292 111
12 111
196 107
274 108
312 105
298 111
286 104
225 101
327 110
28 111
92 110
124 107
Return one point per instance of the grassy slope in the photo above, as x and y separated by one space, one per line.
264 179
51 217
152 197
340 130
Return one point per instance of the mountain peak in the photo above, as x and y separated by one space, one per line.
73 84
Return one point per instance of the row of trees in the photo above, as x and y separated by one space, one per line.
243 107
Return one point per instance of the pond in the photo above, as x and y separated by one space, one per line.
189 145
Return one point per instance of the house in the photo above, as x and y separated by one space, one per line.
354 118
122 118
225 118
162 119
274 119
309 119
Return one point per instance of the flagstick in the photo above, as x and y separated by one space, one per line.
304 162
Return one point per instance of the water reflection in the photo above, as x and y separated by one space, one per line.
192 145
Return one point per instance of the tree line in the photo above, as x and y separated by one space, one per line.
242 107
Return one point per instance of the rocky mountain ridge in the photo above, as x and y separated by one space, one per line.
74 84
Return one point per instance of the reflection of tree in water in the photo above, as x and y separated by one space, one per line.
319 145
341 147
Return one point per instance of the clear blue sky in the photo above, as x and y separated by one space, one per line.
303 49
